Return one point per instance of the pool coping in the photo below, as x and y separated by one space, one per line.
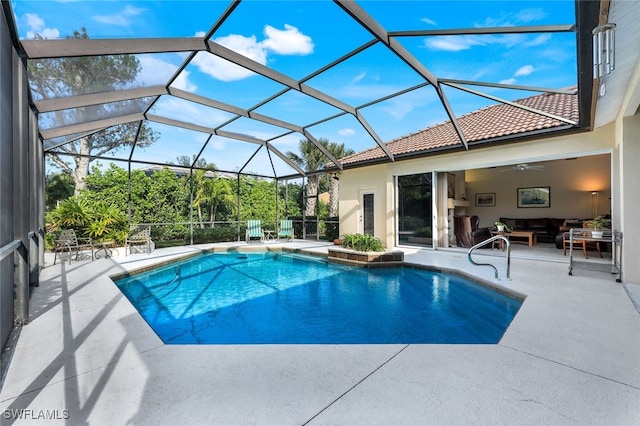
505 291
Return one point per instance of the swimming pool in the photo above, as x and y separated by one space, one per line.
286 298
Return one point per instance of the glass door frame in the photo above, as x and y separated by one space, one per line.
361 214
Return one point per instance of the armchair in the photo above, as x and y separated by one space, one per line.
468 233
478 234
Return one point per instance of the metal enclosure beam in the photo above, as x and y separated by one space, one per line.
71 48
57 104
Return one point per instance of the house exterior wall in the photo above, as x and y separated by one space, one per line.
381 177
370 179
628 174
620 139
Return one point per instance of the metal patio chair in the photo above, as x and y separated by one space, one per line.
68 242
139 239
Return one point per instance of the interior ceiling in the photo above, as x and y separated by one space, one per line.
249 124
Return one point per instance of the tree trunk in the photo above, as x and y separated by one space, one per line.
200 216
312 191
82 167
334 192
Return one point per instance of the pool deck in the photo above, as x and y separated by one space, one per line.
570 357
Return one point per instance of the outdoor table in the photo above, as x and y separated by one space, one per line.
269 235
105 247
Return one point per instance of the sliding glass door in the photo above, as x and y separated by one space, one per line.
415 208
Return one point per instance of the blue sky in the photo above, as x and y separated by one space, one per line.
297 38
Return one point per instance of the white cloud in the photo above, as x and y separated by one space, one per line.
288 142
34 21
189 112
219 68
530 15
525 70
428 21
452 43
217 143
149 70
358 77
289 41
522 71
182 82
538 41
36 26
465 42
122 18
513 19
398 109
346 132
246 46
48 33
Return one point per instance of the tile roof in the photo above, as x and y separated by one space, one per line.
488 123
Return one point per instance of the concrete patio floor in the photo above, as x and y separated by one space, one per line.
570 357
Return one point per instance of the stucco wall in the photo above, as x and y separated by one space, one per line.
629 157
355 182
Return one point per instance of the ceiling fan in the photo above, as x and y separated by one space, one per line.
522 167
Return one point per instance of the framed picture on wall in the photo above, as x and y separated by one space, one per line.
486 199
537 197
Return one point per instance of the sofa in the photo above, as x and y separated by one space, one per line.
548 230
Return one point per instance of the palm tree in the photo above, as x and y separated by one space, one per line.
220 194
201 183
338 150
310 159
200 195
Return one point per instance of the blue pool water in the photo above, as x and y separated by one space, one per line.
259 298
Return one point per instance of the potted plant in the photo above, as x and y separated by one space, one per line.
598 223
501 226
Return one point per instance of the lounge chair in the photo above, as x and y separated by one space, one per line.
139 239
68 242
286 229
254 230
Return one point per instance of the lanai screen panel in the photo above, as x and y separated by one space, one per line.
359 73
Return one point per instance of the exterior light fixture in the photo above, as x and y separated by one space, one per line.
604 42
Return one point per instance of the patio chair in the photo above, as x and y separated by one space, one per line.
68 242
139 239
286 229
254 230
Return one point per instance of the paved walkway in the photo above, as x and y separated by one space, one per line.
570 357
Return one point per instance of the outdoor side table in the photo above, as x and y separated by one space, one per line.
105 248
269 235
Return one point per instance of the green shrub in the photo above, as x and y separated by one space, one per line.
88 218
424 232
332 230
216 234
362 242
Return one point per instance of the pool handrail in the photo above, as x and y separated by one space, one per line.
508 255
